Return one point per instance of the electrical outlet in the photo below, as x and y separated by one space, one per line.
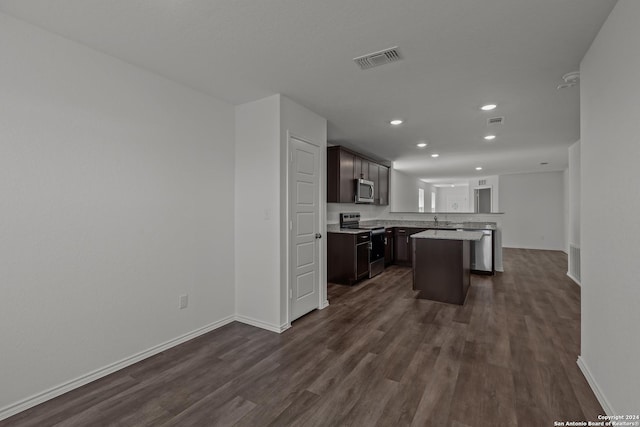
183 301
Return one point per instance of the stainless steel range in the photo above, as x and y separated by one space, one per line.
351 221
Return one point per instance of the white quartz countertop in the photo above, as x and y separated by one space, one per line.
346 230
440 225
448 235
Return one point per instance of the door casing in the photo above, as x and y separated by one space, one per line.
322 294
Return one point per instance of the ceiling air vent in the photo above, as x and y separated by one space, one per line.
495 121
482 182
378 58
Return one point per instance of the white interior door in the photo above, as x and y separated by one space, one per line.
304 199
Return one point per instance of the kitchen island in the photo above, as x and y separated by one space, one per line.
486 260
442 264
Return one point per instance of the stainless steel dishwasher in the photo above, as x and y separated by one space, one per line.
482 254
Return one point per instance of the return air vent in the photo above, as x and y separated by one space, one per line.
492 121
378 58
482 182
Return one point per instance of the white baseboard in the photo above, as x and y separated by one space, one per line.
260 324
574 279
608 409
324 304
285 327
534 248
58 390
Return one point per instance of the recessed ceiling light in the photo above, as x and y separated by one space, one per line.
490 137
453 186
421 144
479 168
488 107
434 155
396 122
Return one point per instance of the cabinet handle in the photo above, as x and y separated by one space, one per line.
407 240
385 241
401 231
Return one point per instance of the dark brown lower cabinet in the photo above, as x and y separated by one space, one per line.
442 269
389 247
403 246
362 257
348 257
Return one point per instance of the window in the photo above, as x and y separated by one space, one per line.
420 200
433 201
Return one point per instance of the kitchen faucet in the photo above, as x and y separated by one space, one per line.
435 219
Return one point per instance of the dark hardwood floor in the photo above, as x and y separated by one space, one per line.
375 356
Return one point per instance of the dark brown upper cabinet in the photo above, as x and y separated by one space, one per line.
383 185
373 176
361 170
344 167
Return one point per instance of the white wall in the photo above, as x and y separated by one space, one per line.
117 197
567 189
572 232
610 149
403 192
459 192
261 205
303 123
257 209
574 194
533 206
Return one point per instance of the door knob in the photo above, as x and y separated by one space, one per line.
318 236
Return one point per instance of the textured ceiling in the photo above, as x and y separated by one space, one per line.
458 55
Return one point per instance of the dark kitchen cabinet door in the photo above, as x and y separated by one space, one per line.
388 246
361 168
347 257
404 245
340 175
347 184
401 246
344 167
373 177
362 260
383 185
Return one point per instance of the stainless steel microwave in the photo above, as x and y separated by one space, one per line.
364 191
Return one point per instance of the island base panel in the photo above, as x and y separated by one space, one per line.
441 269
